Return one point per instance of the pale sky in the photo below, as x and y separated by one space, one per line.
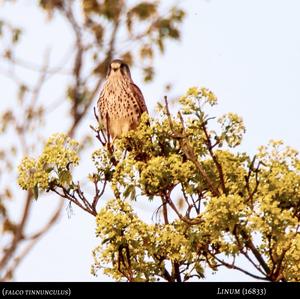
247 52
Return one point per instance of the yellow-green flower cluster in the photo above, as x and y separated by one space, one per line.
270 220
274 216
195 98
233 129
148 245
143 140
234 170
161 173
253 200
27 171
228 199
171 243
119 227
59 153
279 174
291 261
222 213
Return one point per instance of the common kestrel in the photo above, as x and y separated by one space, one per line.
121 102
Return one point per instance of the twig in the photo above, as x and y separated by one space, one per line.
68 196
240 246
215 159
255 252
247 179
98 194
181 217
165 209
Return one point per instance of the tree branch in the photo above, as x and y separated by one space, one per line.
215 159
18 235
255 252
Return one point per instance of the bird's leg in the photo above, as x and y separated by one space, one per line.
110 147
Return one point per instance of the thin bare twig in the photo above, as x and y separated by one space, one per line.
232 266
165 209
181 217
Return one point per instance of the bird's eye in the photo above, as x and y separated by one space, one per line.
123 68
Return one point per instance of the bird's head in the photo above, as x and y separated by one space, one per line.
118 68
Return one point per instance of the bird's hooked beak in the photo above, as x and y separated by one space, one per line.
115 66
118 68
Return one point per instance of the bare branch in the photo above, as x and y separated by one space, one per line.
181 217
86 207
165 209
18 235
232 266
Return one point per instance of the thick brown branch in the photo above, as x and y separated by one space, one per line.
176 270
9 272
277 275
244 252
167 276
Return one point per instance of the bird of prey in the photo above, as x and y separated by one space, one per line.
121 102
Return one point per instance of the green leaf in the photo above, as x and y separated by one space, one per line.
16 35
36 192
1 27
129 189
144 10
133 194
65 177
199 270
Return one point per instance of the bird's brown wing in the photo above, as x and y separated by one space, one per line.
101 105
139 98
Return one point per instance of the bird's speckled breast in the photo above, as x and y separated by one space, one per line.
119 104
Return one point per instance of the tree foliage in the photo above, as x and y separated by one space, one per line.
216 204
101 30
